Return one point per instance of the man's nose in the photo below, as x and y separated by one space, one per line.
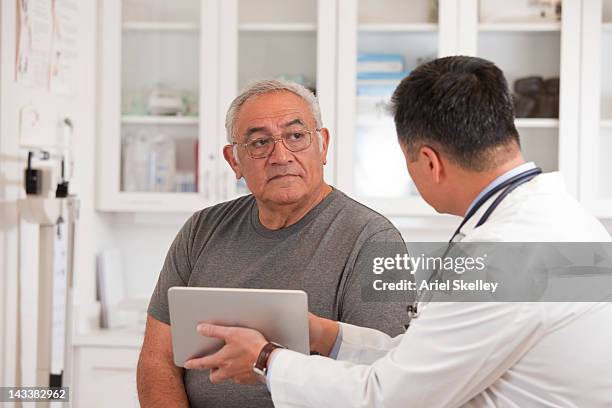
280 154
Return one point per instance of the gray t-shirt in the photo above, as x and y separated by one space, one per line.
323 254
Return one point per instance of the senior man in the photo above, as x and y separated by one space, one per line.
294 232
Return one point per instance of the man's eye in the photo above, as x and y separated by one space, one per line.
296 136
259 143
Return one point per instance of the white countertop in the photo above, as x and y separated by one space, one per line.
110 338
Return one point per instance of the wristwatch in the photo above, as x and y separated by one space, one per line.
261 364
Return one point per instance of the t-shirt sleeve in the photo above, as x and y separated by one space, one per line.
361 305
175 272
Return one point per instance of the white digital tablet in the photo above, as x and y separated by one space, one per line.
280 315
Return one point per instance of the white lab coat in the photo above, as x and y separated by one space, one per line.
475 354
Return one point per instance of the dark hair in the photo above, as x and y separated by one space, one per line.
460 105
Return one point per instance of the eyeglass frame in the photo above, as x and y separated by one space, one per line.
280 139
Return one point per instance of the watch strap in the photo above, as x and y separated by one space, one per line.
261 364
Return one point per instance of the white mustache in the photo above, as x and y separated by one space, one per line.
283 171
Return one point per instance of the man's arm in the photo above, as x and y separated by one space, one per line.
359 345
460 348
372 321
160 382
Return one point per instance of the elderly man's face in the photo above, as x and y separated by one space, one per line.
284 177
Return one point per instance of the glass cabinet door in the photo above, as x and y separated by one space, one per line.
596 129
391 38
524 41
278 39
604 172
160 70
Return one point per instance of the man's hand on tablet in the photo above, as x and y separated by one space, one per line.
235 360
242 347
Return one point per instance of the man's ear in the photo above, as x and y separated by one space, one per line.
433 164
228 154
323 143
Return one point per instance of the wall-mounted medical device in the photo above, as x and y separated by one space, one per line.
49 205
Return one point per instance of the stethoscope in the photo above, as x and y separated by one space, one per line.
506 187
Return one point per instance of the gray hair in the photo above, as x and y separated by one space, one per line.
267 86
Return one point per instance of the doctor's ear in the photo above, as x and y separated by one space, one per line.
230 154
432 162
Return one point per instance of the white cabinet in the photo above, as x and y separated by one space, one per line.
169 72
158 129
204 51
523 39
105 370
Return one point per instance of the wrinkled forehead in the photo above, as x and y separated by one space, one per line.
273 112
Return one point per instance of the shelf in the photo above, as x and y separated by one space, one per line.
109 338
159 120
157 202
606 123
520 27
398 28
158 26
544 123
277 27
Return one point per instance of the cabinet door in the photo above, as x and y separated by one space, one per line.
596 137
535 44
380 42
158 104
278 39
105 377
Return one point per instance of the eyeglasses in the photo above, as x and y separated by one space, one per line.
261 144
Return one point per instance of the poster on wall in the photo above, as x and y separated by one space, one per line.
35 30
64 50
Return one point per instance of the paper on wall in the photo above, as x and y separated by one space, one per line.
35 28
64 51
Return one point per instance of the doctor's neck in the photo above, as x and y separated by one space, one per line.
468 183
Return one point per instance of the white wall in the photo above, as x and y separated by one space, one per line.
18 241
143 240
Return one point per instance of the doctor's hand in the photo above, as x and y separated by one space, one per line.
235 360
322 333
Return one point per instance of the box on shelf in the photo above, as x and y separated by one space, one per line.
519 11
156 162
379 83
369 63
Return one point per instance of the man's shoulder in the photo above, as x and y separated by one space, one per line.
541 210
355 213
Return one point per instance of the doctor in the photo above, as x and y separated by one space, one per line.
454 119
